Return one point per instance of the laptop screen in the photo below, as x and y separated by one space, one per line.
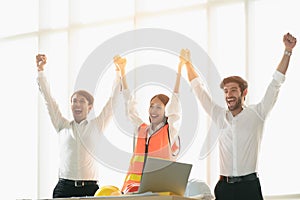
161 175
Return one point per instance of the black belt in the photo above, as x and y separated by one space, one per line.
237 179
78 183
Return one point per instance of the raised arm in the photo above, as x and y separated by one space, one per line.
178 77
289 42
271 95
120 64
130 102
173 111
107 112
185 55
199 89
58 121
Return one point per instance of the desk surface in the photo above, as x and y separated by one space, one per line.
133 197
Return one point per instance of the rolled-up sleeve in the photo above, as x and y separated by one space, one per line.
279 77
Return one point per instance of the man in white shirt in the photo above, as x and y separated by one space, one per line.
78 173
240 128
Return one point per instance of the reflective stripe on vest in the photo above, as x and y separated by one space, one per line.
158 147
133 177
137 158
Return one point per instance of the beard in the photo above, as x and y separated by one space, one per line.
236 106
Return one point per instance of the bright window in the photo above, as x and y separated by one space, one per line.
17 17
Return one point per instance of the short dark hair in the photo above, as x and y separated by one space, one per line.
86 95
235 79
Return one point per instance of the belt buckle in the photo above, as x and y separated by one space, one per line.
229 179
79 183
232 179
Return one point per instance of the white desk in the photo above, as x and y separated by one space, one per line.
133 197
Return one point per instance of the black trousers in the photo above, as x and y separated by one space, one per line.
65 188
247 190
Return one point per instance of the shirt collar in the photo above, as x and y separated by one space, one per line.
83 122
244 106
151 131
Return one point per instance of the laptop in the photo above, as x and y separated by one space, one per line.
161 175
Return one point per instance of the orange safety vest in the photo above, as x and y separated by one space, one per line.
158 147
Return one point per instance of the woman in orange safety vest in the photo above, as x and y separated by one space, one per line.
159 139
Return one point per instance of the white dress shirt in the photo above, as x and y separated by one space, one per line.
239 136
77 140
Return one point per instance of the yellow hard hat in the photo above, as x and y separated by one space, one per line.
108 190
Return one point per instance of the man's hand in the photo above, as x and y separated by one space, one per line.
289 42
41 60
